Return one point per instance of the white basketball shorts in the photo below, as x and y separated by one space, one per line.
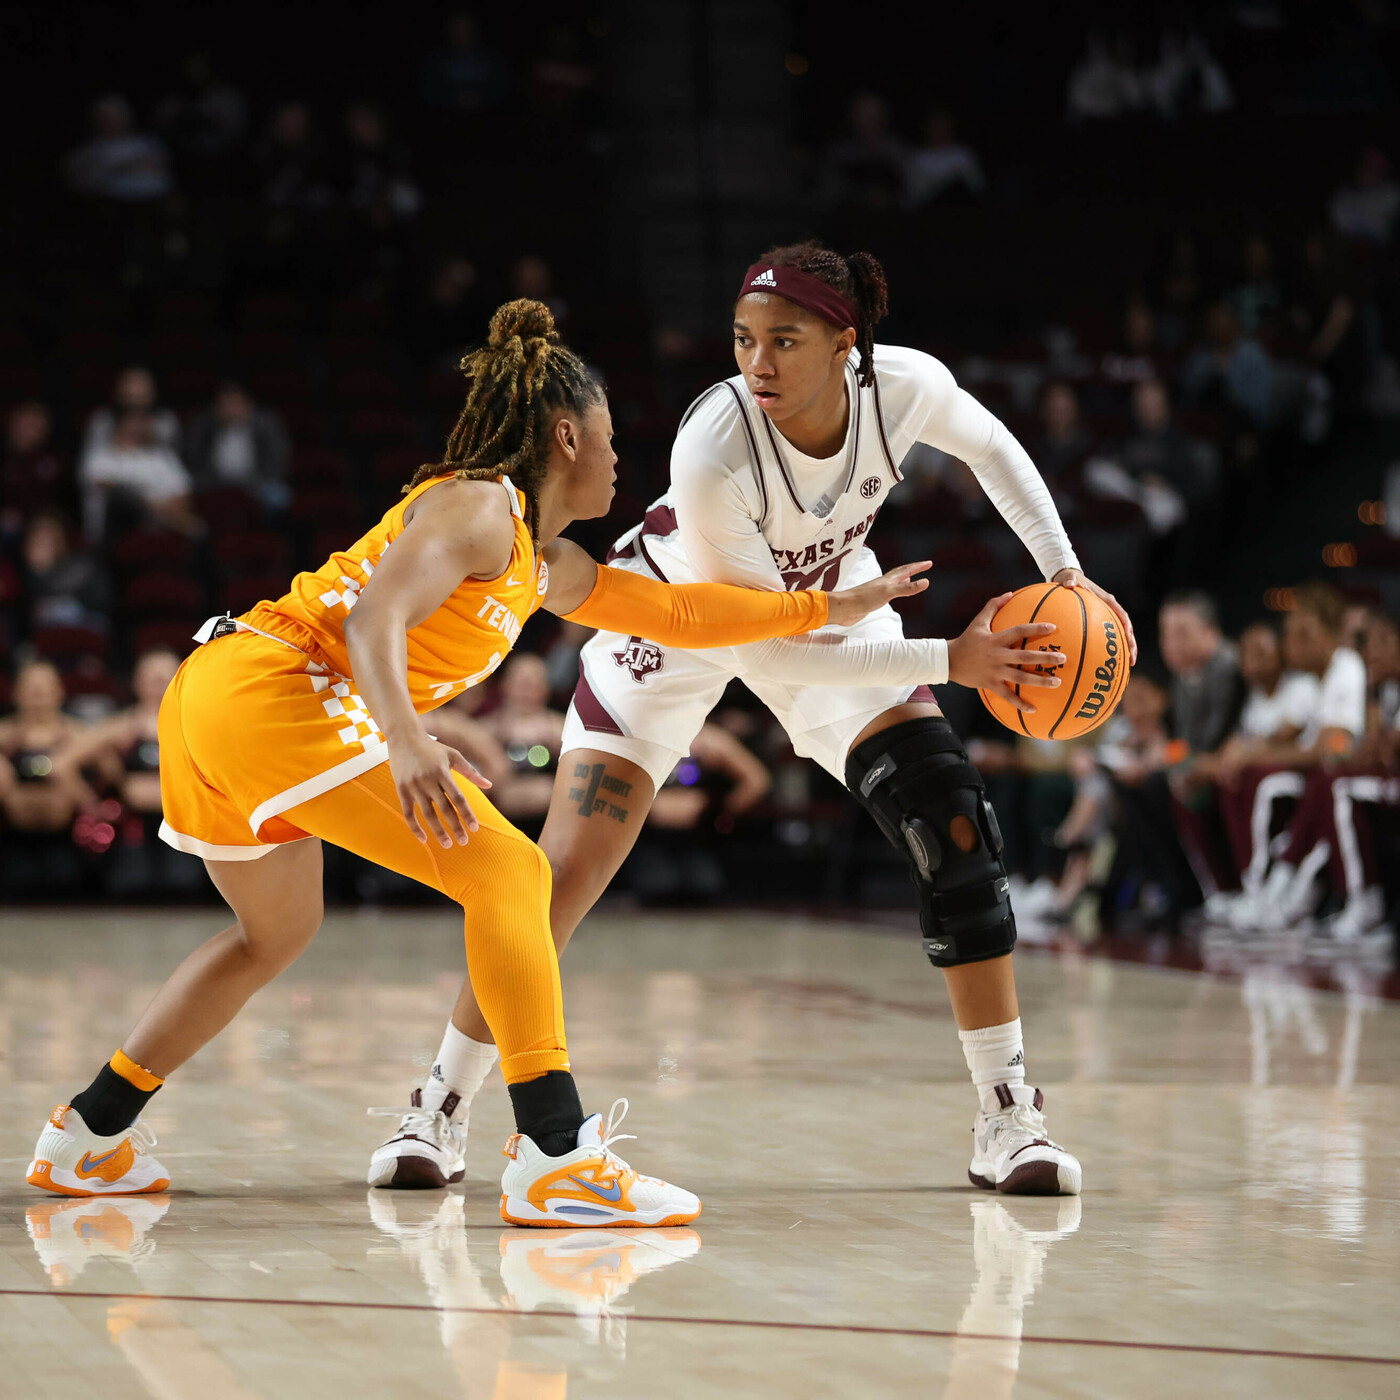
646 702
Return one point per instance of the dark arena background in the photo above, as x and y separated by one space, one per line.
242 251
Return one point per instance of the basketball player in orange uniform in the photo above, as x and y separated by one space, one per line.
299 722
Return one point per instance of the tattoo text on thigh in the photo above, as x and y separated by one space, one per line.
590 781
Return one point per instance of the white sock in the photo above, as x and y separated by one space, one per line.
460 1068
994 1056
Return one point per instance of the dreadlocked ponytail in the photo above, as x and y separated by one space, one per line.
859 278
516 382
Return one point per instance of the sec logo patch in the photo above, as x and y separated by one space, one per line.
870 487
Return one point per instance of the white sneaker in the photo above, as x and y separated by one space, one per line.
588 1272
1012 1154
427 1153
68 1234
1359 926
590 1186
70 1160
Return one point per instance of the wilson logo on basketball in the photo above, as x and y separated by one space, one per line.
870 487
1103 675
641 657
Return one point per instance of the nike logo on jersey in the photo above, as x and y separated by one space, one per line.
513 582
615 1194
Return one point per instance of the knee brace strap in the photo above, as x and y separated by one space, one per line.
929 800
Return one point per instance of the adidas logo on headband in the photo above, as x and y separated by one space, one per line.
764 279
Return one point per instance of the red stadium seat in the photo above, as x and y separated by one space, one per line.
266 347
247 551
331 510
319 469
395 465
161 596
227 510
168 636
147 550
64 645
244 591
380 427
281 384
366 387
307 426
271 311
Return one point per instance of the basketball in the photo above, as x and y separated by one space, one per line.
1094 676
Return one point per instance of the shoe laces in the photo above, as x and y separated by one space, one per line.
430 1123
610 1135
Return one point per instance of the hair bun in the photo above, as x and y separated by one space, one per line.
529 320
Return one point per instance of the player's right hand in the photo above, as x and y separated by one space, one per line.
987 660
851 604
423 779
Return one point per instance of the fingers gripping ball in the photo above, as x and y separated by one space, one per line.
1090 636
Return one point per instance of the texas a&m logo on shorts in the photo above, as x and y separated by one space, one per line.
641 657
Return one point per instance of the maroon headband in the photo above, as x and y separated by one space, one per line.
802 288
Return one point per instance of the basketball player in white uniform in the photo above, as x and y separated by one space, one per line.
777 476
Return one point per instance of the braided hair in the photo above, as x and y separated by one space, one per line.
859 278
517 381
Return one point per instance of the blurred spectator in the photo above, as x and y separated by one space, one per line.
529 732
40 788
1182 288
124 751
1138 356
1159 454
238 443
1365 210
1268 773
1258 300
1105 82
452 315
561 657
291 163
1230 370
132 477
135 388
205 117
718 779
942 168
464 75
1324 315
1187 79
1064 443
35 476
866 168
118 162
376 169
1206 690
62 588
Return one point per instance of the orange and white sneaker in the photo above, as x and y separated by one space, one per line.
70 1160
590 1187
69 1235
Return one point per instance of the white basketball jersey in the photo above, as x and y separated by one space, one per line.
732 473
816 531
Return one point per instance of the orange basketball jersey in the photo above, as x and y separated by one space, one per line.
455 648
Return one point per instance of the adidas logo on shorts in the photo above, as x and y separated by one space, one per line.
764 279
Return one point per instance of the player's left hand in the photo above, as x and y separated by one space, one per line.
1074 578
851 604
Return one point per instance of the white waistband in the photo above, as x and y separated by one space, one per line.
206 631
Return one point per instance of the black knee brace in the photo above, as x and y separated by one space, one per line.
916 780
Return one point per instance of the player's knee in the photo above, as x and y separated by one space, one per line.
917 782
275 943
514 865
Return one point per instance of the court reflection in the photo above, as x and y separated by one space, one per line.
1010 1241
498 1275
68 1235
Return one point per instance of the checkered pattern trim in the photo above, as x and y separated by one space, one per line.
354 723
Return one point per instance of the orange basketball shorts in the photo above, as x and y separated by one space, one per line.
250 728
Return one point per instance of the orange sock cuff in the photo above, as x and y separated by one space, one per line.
122 1064
533 1064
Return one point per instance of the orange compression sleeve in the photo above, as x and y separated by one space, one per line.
695 614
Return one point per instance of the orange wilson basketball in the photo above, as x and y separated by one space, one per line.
1095 673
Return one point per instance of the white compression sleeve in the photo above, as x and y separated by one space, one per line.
828 658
